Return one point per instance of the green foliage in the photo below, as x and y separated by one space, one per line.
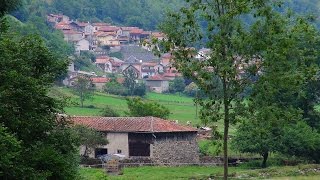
48 149
301 141
109 112
89 138
139 108
140 90
210 147
83 88
280 98
52 38
9 5
177 85
10 150
113 87
130 80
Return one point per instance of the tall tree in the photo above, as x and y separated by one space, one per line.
130 80
83 88
233 61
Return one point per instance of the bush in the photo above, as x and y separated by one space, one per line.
139 108
116 88
210 147
109 112
140 90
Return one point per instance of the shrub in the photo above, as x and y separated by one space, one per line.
139 108
109 112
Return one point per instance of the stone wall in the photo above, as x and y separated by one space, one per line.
175 148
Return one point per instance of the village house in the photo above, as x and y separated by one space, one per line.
157 83
98 83
148 69
96 26
132 63
104 62
82 45
107 39
56 18
162 141
73 36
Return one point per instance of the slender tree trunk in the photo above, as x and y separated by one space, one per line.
81 100
265 157
226 131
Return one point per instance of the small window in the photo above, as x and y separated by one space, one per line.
119 151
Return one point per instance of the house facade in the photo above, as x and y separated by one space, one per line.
157 83
162 141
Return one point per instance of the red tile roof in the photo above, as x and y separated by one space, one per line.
102 59
157 77
71 32
157 34
108 28
100 80
136 31
171 74
131 124
100 24
128 28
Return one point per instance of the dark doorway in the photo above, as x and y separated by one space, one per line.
139 144
100 151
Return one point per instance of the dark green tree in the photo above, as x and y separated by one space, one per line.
83 88
177 85
216 24
139 108
90 139
279 96
8 6
130 80
48 148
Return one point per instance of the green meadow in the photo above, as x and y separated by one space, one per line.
182 108
299 172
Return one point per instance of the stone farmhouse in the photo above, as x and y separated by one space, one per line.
162 141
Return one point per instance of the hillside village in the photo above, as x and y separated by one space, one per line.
102 38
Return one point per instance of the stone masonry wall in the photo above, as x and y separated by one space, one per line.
175 150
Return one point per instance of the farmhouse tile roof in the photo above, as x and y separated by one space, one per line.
131 124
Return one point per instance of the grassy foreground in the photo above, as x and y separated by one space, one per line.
196 172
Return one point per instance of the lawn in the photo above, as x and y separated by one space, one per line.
196 172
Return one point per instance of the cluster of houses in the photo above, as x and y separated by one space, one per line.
95 37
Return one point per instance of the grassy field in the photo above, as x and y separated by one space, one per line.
182 108
196 172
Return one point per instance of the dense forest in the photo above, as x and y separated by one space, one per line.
142 13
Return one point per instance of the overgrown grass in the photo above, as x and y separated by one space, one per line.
197 172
